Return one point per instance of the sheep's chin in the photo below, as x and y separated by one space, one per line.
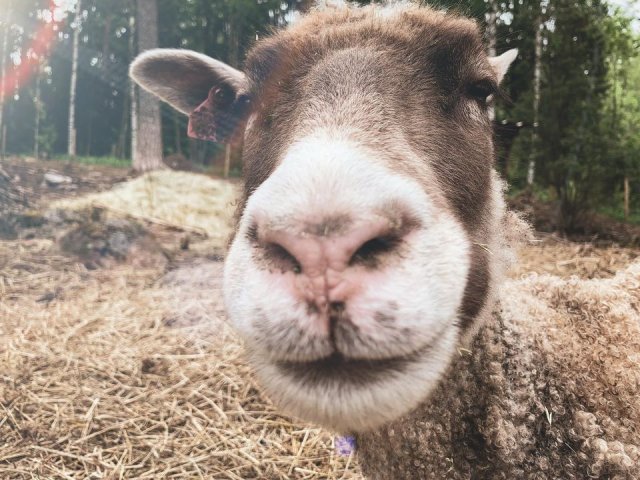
344 401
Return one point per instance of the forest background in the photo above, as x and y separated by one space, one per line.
570 135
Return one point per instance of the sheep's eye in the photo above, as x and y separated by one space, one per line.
481 90
243 99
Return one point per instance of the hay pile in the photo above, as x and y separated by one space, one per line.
185 200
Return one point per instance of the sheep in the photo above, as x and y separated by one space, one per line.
371 242
549 388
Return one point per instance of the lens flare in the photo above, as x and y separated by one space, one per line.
38 49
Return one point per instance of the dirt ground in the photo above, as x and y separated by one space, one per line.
120 365
28 175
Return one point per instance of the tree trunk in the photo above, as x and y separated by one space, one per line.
38 105
626 198
537 67
492 17
133 89
74 80
6 21
87 150
120 149
232 149
148 152
106 40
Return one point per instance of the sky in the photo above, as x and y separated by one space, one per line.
632 7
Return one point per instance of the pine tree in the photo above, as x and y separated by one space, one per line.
148 150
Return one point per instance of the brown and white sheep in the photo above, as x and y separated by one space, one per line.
371 240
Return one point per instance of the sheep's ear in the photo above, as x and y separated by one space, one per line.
501 63
207 90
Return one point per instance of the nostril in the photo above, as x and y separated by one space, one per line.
280 258
371 252
337 308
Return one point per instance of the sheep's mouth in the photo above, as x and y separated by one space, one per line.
337 367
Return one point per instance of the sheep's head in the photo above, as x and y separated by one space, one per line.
362 251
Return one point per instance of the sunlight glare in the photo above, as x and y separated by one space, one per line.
62 8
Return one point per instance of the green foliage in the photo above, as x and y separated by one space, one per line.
616 212
586 132
573 149
102 161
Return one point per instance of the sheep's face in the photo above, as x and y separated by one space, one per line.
358 259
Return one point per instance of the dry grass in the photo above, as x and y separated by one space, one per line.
104 380
132 373
556 256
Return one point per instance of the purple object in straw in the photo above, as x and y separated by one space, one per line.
345 446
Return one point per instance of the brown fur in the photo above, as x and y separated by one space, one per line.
384 79
547 389
407 75
550 388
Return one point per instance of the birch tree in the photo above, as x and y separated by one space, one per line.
133 101
74 80
537 68
6 25
492 19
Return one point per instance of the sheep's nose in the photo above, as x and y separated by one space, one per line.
324 256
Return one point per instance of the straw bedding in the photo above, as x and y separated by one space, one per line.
555 256
129 371
103 378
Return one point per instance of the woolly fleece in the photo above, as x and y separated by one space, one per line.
549 389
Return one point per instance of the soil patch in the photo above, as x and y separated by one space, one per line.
99 240
28 176
595 228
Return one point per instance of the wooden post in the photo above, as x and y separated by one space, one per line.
626 198
227 160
